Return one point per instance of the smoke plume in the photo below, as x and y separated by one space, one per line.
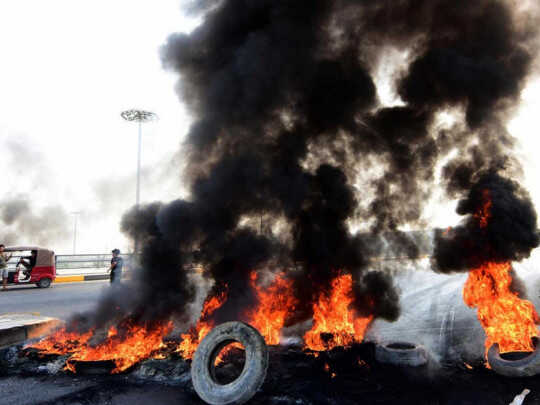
24 224
509 232
23 219
287 119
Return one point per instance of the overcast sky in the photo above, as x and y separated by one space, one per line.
67 70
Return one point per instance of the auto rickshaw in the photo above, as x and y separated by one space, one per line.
43 271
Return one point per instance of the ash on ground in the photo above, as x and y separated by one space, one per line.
341 376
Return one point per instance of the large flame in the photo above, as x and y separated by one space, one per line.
275 303
334 323
191 339
506 319
133 344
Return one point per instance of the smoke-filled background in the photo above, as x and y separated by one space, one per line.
501 226
289 132
318 129
62 141
24 218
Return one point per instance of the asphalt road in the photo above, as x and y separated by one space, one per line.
59 300
99 390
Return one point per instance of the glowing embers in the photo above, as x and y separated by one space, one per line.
484 213
62 342
124 346
506 319
334 322
275 303
191 340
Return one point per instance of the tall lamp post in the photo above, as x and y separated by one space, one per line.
76 217
139 116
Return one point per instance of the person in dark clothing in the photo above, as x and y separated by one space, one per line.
28 262
116 266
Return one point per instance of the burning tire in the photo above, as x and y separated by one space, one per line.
401 354
517 364
253 374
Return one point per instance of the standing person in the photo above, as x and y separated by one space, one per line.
3 267
116 266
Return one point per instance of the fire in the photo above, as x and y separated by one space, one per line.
329 370
334 323
195 335
134 344
62 342
484 213
506 319
275 303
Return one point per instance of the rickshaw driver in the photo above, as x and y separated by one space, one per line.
3 267
28 262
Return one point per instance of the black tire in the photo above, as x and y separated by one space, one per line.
401 354
44 283
250 380
525 365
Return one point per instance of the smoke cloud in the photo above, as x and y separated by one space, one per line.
509 232
24 224
287 119
23 220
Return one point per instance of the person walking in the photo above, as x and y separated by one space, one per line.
3 267
116 266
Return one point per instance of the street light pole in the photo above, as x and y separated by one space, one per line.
138 198
76 216
138 116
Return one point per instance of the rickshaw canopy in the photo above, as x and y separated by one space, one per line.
44 257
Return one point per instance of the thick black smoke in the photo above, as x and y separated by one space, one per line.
287 118
500 226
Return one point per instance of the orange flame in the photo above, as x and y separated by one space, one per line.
195 335
275 302
62 342
484 213
506 319
134 344
334 323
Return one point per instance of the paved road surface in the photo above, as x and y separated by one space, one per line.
99 390
59 300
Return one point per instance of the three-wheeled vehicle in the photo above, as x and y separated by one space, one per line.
33 265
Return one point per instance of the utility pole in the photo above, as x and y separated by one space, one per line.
139 116
75 219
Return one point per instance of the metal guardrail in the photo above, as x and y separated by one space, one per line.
89 261
64 263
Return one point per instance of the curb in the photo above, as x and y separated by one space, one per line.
74 279
17 328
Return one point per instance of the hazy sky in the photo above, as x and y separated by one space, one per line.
67 70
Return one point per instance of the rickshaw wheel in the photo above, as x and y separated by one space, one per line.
44 283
